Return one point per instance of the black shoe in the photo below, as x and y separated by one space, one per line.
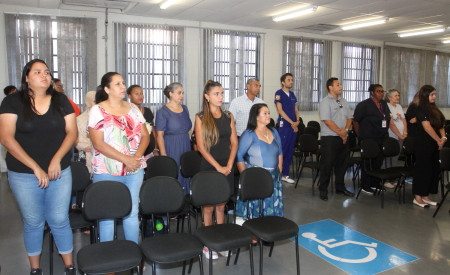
323 196
36 271
367 190
70 270
345 192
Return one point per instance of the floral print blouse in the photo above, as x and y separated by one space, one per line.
123 133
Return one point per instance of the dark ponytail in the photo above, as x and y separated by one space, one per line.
101 94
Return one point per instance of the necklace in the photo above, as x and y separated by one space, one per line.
265 135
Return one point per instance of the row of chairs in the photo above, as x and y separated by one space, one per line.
112 200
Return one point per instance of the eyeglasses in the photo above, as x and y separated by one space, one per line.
338 102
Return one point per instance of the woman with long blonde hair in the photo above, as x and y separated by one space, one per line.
217 142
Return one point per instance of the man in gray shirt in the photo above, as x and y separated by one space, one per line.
336 119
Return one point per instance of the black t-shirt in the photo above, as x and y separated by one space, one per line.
148 115
41 136
370 119
410 114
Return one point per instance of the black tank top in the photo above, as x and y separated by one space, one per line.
221 151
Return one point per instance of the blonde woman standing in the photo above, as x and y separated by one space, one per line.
398 129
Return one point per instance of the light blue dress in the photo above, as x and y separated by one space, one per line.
255 152
176 128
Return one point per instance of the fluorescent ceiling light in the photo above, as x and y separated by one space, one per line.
446 41
366 23
420 32
294 13
166 3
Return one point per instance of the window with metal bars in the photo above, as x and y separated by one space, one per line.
231 59
150 56
359 70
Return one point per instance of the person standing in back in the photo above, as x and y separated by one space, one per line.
336 119
288 121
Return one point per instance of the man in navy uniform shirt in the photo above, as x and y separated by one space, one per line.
288 121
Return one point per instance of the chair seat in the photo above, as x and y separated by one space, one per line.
109 257
384 174
406 171
223 237
313 165
174 247
77 221
272 228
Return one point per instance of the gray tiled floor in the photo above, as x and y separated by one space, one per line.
405 227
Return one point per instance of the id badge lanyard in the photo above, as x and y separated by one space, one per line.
383 122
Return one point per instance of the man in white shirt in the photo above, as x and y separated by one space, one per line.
240 106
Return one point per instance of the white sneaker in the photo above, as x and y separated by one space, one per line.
389 185
239 220
287 179
206 252
224 253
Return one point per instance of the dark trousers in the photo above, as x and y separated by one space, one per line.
336 154
427 169
376 164
287 137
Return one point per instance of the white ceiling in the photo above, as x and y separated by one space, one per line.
403 15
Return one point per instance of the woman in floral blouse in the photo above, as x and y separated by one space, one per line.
119 138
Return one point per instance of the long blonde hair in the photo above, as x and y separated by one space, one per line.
210 133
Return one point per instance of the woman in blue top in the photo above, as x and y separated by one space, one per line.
260 146
172 128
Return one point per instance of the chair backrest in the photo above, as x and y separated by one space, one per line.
314 124
369 149
444 155
409 146
80 176
351 139
391 147
447 129
161 195
255 184
190 163
209 188
106 200
161 166
308 143
311 131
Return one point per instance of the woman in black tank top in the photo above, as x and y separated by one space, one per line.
216 141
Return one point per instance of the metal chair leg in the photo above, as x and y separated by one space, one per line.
237 256
271 249
297 255
252 268
261 256
200 263
440 204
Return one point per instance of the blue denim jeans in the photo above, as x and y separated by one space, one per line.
130 222
39 205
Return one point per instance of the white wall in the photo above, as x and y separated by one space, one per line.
272 51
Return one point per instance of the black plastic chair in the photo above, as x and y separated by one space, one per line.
354 162
164 166
211 188
189 166
257 184
408 169
308 145
369 151
165 195
444 155
80 181
314 124
161 166
108 200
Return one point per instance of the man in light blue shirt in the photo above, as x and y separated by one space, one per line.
240 106
336 119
